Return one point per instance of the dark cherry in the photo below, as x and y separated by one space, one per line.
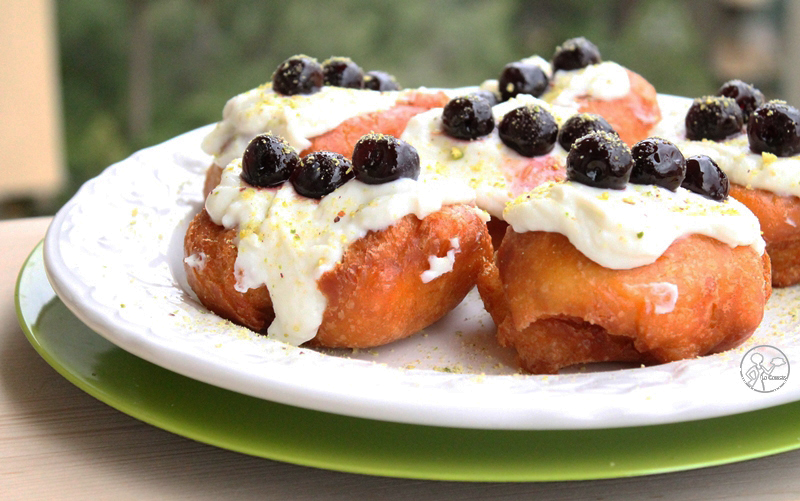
379 158
600 159
703 176
268 161
298 75
713 117
490 96
747 97
380 80
574 54
529 130
522 78
657 161
343 72
467 117
320 173
579 125
775 128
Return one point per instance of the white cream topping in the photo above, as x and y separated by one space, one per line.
296 118
672 125
493 169
287 242
606 81
492 85
764 171
438 266
623 229
196 260
542 63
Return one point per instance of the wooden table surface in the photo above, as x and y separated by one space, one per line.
57 442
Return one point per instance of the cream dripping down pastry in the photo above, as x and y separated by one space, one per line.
629 260
331 252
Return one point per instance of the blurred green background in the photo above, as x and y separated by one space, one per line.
137 72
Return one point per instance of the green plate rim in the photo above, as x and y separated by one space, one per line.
356 445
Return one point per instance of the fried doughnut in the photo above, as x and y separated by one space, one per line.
637 274
779 217
594 89
632 116
342 138
765 183
391 122
374 295
558 308
777 212
213 176
212 276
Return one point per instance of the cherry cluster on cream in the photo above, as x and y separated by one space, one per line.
602 160
771 127
269 161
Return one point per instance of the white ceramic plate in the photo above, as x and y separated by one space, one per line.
114 256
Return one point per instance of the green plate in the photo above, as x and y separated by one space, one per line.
261 428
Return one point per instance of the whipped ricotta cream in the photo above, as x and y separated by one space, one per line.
492 169
287 242
296 118
541 62
672 125
492 85
196 260
764 171
438 266
623 229
606 81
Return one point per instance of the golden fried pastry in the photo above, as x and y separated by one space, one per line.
335 253
341 137
211 276
583 81
632 116
777 209
779 217
213 176
579 79
759 151
374 296
641 256
558 308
